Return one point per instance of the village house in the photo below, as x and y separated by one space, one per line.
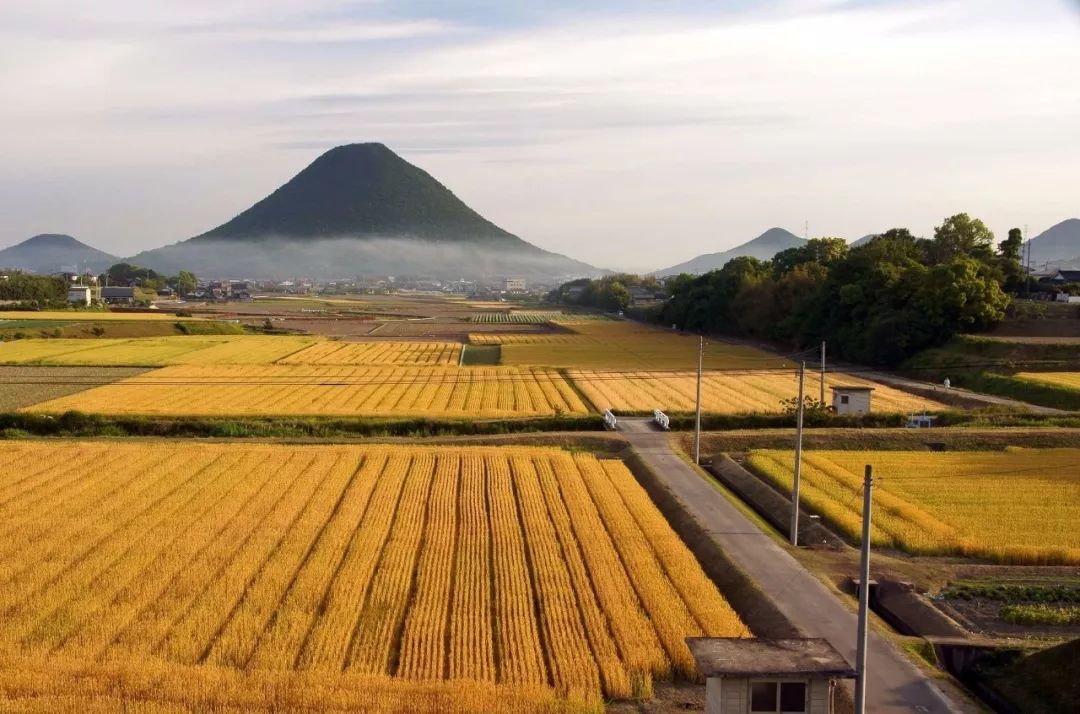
79 295
117 295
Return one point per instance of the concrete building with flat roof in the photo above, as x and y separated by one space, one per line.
759 676
79 295
851 399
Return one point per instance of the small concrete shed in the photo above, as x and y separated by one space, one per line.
851 399
758 676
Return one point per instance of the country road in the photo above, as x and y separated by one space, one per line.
894 684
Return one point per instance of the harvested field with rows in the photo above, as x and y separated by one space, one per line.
1020 506
535 317
546 572
628 345
154 351
321 390
723 392
23 386
432 354
86 315
514 317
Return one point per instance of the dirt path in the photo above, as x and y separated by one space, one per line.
988 399
894 684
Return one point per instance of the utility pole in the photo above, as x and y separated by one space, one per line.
822 397
697 415
798 459
1027 264
864 596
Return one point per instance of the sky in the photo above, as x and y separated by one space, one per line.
631 134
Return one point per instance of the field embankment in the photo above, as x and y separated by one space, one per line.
1006 368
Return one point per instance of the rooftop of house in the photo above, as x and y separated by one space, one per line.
756 657
851 388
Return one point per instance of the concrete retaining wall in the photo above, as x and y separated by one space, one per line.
770 504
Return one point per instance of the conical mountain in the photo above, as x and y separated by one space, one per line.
360 209
764 247
1059 243
53 253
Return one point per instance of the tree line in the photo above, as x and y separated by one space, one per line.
51 291
876 303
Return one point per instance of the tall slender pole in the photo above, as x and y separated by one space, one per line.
798 458
822 396
697 415
864 596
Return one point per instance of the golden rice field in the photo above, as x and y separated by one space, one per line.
523 338
81 315
170 576
1020 506
154 351
617 344
322 390
432 354
1069 380
724 392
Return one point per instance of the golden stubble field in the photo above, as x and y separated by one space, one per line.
252 576
621 344
155 351
1068 380
732 392
1020 506
325 390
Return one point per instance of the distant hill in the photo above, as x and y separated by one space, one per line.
53 253
1058 244
361 209
863 241
764 247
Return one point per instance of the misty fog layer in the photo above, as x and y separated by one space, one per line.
284 258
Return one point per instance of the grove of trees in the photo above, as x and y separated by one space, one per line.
610 293
39 290
877 303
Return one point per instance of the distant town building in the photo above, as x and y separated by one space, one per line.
851 399
1066 276
640 295
515 285
79 295
574 291
117 295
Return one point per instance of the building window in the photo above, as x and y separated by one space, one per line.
778 697
844 398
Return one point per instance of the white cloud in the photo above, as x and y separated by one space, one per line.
621 139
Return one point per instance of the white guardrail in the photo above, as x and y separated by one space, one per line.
609 420
661 419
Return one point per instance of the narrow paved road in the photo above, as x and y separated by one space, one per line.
894 684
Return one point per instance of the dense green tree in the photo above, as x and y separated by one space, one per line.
822 251
1009 251
40 290
185 283
128 274
877 303
961 235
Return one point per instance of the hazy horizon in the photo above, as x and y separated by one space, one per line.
631 135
